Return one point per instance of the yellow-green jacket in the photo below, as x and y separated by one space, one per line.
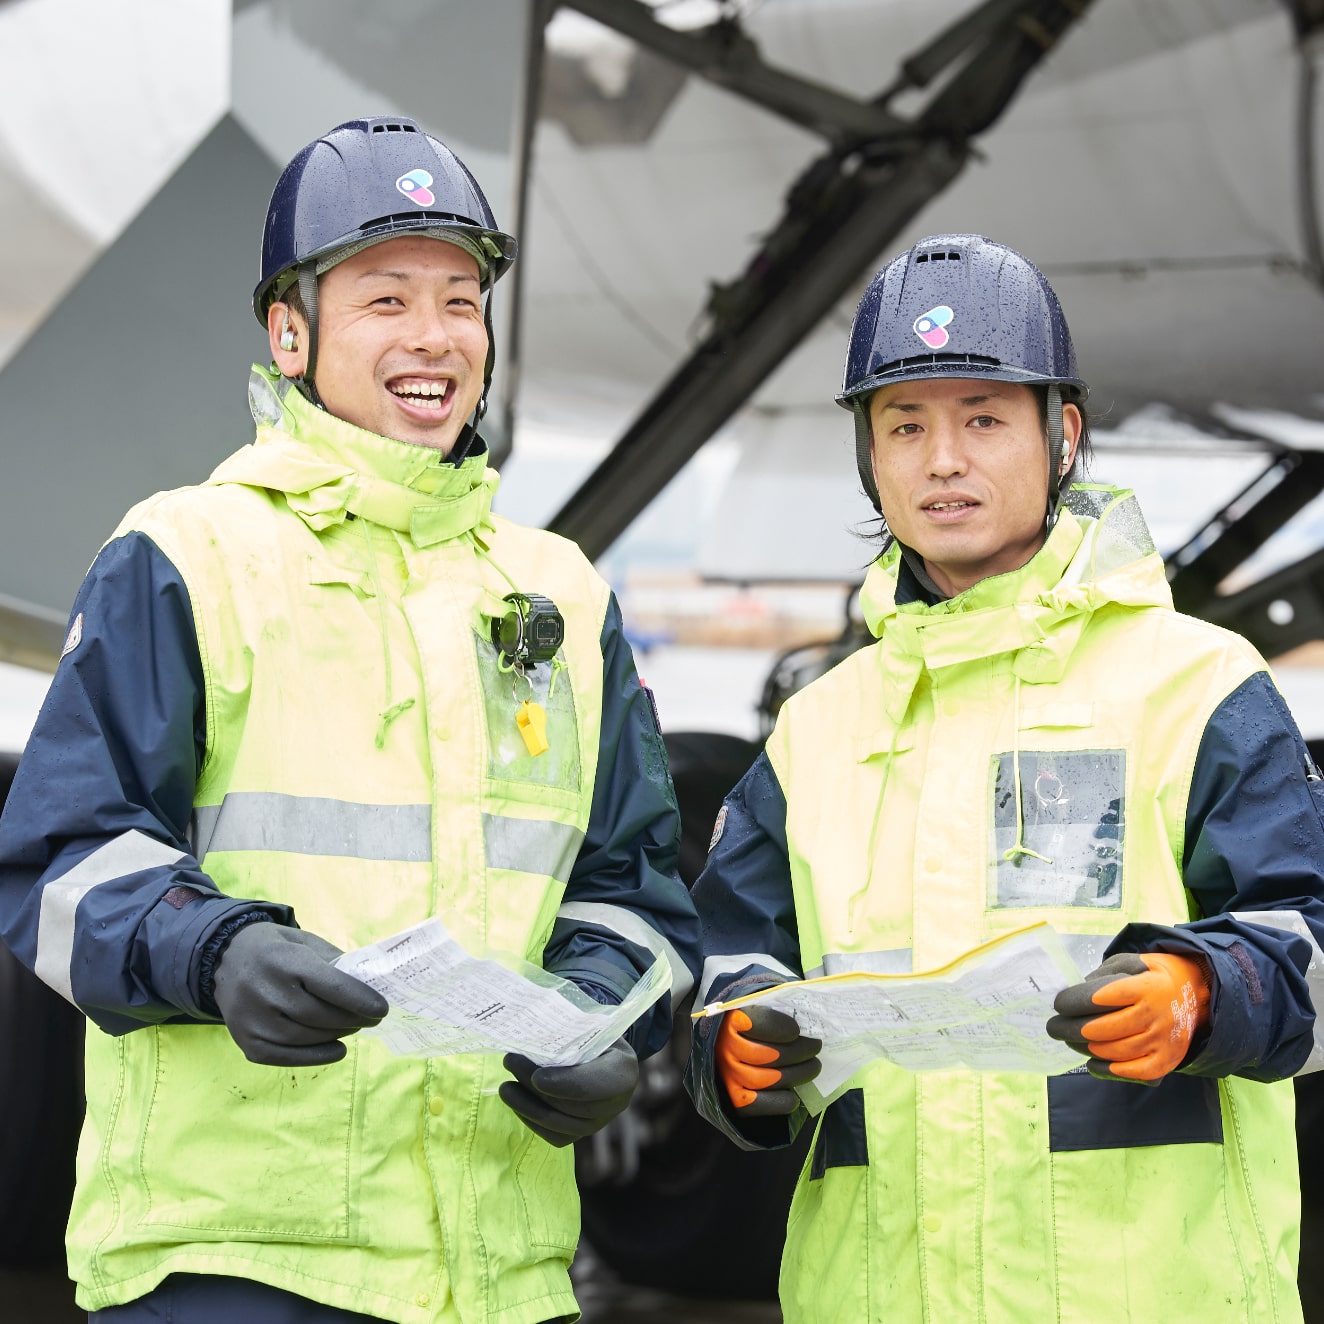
281 699
1053 744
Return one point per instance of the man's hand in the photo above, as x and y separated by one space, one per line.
283 1001
563 1104
761 1055
1160 1001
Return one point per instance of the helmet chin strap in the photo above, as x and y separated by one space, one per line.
1057 480
308 293
469 433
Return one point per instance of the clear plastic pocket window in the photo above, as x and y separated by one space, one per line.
504 695
1063 845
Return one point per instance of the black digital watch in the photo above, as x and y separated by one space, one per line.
531 631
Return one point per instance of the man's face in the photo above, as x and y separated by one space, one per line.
401 340
962 471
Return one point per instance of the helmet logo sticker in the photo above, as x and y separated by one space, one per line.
416 187
931 327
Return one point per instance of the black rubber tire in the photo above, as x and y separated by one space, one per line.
41 1107
1310 1159
705 765
701 1218
1310 1155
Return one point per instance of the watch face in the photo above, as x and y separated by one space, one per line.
547 631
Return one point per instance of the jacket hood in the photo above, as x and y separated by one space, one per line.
329 469
1099 553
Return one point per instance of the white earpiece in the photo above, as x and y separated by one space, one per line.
287 340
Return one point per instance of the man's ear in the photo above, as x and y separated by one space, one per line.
1072 426
287 333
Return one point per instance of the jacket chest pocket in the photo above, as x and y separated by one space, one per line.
546 757
1057 828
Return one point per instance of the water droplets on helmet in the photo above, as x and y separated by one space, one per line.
345 188
955 305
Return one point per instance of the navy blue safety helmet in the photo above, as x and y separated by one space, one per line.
959 305
370 180
367 181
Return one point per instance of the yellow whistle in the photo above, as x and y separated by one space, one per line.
532 722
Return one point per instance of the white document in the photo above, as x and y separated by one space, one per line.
986 1010
444 1000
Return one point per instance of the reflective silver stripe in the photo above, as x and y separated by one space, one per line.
1294 922
632 926
200 828
312 825
888 961
726 965
128 853
531 845
1086 949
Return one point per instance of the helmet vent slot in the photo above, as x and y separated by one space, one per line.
394 128
946 256
933 360
410 220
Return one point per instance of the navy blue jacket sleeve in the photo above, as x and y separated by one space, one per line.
1254 842
99 891
624 903
750 939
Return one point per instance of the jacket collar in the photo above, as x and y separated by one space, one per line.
329 469
1098 553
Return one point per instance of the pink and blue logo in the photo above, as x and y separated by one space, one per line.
416 186
931 327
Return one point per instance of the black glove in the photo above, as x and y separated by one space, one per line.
761 1056
562 1104
283 1001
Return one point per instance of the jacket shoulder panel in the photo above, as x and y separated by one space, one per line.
561 557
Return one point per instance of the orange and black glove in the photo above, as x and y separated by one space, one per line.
761 1056
1136 1015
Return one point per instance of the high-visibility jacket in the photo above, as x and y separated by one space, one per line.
1021 752
362 768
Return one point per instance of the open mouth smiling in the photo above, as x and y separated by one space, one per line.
432 394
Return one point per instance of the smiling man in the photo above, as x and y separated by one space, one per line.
321 697
1034 735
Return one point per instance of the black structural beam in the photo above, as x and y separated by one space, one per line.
1307 17
840 215
1238 530
726 55
537 16
1279 613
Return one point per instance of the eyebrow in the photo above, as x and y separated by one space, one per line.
966 402
405 277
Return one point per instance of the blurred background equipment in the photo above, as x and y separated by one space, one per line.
701 188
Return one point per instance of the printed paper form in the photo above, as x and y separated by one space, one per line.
444 1001
986 1010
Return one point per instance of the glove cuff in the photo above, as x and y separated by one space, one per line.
1193 971
210 956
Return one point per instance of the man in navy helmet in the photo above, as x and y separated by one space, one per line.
322 697
1034 735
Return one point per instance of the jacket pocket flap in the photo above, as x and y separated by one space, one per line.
322 573
1056 714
